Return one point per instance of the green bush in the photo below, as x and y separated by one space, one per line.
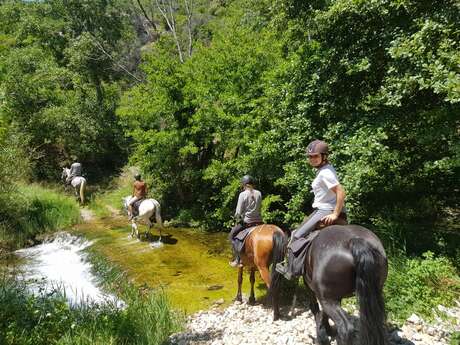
417 285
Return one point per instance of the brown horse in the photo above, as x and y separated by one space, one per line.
340 261
262 247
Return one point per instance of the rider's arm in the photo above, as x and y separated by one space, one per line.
240 208
340 194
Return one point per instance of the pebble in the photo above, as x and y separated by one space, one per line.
241 323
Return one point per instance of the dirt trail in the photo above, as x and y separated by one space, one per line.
87 215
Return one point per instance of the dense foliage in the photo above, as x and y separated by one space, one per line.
419 285
60 81
379 80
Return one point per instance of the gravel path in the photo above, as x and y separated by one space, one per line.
242 324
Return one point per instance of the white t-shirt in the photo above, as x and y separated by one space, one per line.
326 178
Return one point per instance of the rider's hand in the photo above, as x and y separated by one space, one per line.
329 219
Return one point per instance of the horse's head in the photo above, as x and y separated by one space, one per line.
65 173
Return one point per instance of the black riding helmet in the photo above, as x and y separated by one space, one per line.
137 177
247 179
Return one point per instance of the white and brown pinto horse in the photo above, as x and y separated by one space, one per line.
78 183
149 210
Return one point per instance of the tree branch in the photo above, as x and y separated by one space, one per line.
146 16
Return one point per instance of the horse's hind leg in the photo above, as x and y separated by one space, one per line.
344 326
252 279
321 319
240 282
265 275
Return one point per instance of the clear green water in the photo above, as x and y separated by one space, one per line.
191 266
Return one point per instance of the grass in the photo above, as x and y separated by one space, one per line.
43 320
455 339
36 210
102 201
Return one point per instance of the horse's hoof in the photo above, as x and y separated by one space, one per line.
252 301
238 299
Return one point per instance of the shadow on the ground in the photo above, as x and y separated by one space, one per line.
165 239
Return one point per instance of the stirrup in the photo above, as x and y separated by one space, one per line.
282 268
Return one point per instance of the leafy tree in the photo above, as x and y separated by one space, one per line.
61 75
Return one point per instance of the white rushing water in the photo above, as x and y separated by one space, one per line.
62 264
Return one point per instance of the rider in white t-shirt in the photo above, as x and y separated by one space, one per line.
328 203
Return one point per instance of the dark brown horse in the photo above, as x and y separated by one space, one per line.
262 247
343 260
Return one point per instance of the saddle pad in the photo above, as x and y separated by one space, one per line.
238 241
241 236
298 245
138 203
76 181
298 251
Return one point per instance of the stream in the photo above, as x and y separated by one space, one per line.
191 266
61 264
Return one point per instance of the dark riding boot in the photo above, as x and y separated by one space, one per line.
236 262
283 267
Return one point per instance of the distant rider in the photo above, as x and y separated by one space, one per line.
75 170
247 212
329 198
139 193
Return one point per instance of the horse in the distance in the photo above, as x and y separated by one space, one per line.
262 247
78 183
149 210
340 261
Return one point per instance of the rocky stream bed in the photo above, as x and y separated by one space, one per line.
243 324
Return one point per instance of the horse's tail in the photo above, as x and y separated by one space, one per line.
158 214
279 247
82 190
369 291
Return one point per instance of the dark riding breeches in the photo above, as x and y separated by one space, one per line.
309 224
235 230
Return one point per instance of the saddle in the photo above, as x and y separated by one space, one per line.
240 238
136 205
299 248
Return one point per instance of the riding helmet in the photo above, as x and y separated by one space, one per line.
247 179
317 147
137 177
